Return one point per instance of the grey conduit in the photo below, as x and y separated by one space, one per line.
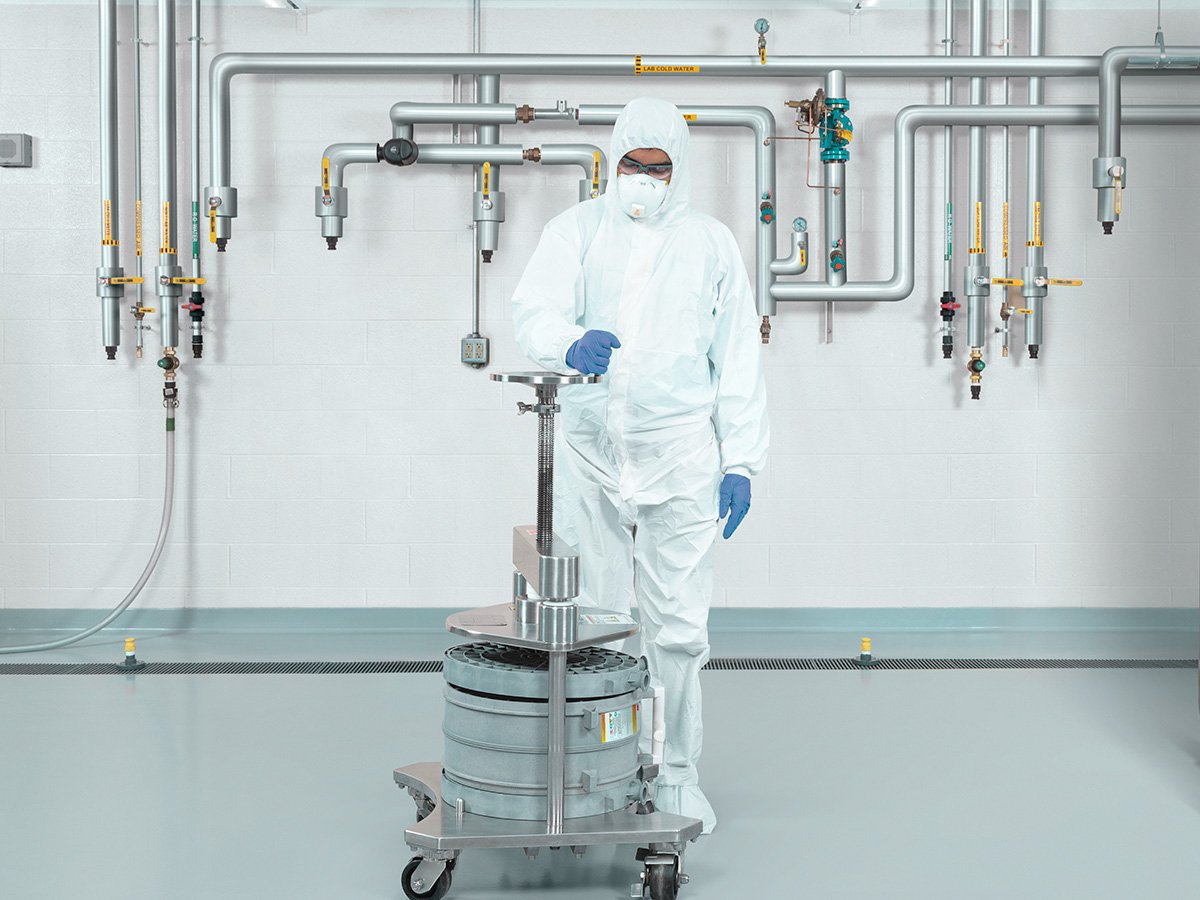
223 196
1109 175
159 543
110 295
911 118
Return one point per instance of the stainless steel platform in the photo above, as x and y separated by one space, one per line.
499 623
442 829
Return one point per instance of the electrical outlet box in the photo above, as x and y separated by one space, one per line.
16 150
475 350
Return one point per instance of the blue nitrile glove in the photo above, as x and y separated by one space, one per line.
735 501
591 353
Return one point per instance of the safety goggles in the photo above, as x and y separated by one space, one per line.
627 166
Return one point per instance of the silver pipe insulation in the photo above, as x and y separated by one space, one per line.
222 196
405 114
489 199
834 196
1034 269
197 298
761 122
977 206
1109 168
137 161
911 118
948 169
169 291
110 295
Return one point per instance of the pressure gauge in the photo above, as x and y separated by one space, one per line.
762 26
799 224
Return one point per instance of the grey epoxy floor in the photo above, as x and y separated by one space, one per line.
964 784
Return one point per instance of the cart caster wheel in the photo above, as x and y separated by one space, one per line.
663 881
440 888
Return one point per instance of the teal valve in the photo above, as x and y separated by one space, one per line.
837 131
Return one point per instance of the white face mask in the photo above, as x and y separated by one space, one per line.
640 195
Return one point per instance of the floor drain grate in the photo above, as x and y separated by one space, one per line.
719 664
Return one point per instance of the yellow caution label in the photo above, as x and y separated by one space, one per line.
107 222
639 69
1117 198
188 281
803 258
487 179
690 117
1006 229
325 175
212 224
166 228
1065 282
124 280
1012 282
1037 223
595 174
137 227
978 247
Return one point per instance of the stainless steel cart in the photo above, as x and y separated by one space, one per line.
542 617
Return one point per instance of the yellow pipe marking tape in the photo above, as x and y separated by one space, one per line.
212 224
487 178
639 69
107 223
595 174
1037 223
166 228
690 117
137 228
1006 229
325 175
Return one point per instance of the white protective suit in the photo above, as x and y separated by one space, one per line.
683 402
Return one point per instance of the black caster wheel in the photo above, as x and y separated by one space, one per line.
440 888
663 881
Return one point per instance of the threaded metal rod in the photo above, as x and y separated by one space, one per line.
545 483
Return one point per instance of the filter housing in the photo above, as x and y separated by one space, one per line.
496 731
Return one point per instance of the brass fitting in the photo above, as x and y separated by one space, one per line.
525 114
765 329
533 154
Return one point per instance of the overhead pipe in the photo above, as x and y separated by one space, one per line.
1033 273
977 279
900 285
222 196
167 274
1109 168
761 123
332 199
110 277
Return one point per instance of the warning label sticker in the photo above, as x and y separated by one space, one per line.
618 725
606 619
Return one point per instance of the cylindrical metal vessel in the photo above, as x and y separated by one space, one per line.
496 731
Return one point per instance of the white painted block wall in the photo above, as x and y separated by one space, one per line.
334 453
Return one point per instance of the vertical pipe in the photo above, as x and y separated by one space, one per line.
197 300
977 181
487 222
1006 40
948 166
137 150
168 269
1035 262
110 295
835 208
556 720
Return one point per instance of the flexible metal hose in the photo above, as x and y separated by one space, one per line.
545 482
164 526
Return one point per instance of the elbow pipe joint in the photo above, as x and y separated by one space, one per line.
1109 176
797 263
223 207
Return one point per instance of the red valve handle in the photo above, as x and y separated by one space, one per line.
191 306
951 306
